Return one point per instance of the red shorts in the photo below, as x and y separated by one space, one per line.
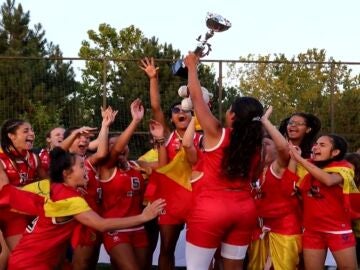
85 236
221 217
167 219
137 238
12 223
322 240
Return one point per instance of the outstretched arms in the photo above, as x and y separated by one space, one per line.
93 220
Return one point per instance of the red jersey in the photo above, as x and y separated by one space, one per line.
44 243
123 193
20 172
173 144
323 206
93 194
44 156
277 203
212 158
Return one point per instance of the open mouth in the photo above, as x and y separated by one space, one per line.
82 147
182 118
29 142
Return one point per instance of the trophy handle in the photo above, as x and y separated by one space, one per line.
215 23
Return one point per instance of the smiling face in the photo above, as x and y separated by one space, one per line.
80 145
323 149
297 128
180 118
23 137
56 137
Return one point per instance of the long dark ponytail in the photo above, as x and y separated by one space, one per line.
246 138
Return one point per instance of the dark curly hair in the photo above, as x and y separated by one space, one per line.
246 138
312 122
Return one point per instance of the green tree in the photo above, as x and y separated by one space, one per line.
303 83
33 82
112 67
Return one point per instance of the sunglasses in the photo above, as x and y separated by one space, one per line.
296 124
177 110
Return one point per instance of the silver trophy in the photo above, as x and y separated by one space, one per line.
215 23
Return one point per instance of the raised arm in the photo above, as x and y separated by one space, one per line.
67 142
281 144
102 150
148 66
137 112
93 220
209 123
188 142
157 132
328 179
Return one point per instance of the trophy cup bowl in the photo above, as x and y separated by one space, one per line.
215 23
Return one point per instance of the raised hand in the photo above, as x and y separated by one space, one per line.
295 152
108 116
267 114
137 110
86 131
191 60
148 65
156 129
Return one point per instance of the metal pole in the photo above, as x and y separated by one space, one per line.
332 90
220 89
104 82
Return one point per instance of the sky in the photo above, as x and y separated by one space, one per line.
259 27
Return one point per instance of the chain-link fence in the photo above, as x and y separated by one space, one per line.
70 91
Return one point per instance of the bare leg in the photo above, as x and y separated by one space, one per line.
232 264
86 257
314 259
169 234
152 232
4 254
346 258
123 257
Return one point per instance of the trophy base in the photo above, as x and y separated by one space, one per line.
178 69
